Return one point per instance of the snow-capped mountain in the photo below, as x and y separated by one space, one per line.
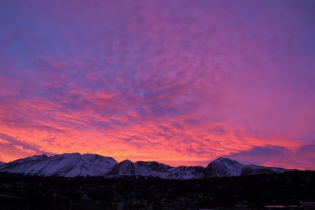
155 169
253 169
153 166
75 164
186 172
127 168
223 167
67 165
24 164
167 172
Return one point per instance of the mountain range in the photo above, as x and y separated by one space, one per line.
75 165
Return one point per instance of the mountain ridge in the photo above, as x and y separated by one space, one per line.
77 165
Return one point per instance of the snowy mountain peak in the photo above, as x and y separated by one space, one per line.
155 169
153 166
67 165
94 158
127 162
32 158
127 168
226 161
29 160
223 167
148 162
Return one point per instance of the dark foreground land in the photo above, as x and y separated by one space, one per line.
255 191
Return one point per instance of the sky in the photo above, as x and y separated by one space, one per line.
180 82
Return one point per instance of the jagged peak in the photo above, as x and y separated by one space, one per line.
226 160
148 162
127 161
95 155
39 156
90 155
33 158
67 154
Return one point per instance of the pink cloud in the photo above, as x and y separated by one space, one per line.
21 148
133 80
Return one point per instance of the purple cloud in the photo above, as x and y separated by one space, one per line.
129 78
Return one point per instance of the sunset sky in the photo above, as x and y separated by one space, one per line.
180 82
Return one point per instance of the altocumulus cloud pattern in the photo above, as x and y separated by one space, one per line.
180 82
